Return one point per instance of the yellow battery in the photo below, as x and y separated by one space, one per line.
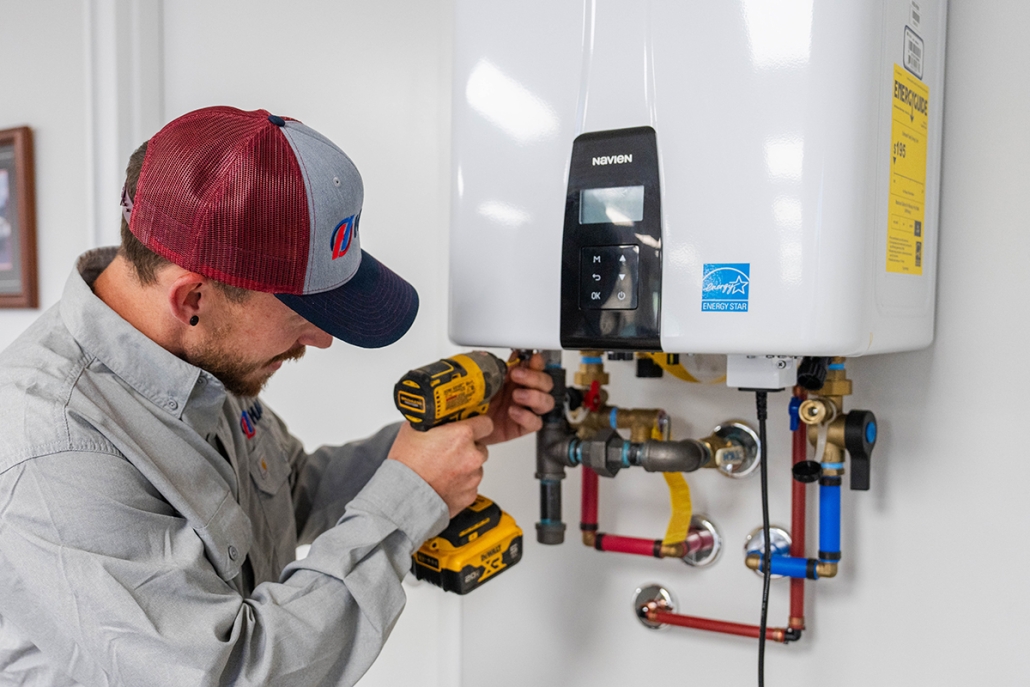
480 542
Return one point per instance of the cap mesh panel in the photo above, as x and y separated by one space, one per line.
221 194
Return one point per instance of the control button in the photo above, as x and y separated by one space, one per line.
609 277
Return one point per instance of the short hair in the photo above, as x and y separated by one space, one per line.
145 262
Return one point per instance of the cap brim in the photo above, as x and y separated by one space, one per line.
374 309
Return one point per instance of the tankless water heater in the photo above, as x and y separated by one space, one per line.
740 177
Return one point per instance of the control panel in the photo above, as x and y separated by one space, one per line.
612 243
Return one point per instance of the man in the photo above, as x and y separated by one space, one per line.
150 504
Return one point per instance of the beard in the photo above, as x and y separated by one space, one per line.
237 374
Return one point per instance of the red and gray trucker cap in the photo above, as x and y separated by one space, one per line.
267 204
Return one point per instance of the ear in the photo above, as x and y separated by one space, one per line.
185 296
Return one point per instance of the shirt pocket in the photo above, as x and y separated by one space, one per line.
268 466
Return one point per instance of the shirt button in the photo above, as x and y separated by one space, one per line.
233 553
172 405
202 380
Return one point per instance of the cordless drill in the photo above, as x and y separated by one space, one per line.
482 540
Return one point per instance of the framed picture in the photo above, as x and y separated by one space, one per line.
18 283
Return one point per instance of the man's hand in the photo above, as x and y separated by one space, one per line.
449 458
525 397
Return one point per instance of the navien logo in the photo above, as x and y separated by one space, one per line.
613 160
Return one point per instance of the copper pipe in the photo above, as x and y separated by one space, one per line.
797 522
773 634
588 504
697 538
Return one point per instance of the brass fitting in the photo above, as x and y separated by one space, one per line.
593 423
817 411
826 569
589 537
828 409
834 452
723 452
753 561
674 550
591 372
641 422
837 384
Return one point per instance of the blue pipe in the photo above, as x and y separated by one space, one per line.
790 566
829 522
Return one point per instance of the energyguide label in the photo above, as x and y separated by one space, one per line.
909 124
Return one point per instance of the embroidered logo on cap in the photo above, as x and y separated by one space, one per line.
342 236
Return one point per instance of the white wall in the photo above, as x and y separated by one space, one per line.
930 590
42 85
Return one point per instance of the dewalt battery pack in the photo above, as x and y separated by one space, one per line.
479 543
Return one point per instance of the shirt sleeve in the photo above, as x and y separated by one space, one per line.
327 479
113 585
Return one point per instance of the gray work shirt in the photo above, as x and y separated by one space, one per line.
148 520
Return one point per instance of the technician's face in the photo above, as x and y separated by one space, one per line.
245 343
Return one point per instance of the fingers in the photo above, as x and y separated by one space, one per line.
526 419
449 458
539 402
532 378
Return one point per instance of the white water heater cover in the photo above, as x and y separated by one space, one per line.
769 171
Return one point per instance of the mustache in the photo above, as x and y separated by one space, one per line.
295 353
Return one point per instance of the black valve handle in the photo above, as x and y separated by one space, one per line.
859 440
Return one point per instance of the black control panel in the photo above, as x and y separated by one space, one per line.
612 245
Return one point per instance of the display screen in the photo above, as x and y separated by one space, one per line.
620 205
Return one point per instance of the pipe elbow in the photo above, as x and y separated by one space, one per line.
687 455
826 569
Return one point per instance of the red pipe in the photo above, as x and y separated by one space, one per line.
588 504
797 524
773 634
699 539
634 545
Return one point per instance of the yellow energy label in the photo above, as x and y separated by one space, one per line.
909 129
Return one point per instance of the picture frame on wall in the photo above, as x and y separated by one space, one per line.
18 277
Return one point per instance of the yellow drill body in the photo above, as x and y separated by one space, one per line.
482 540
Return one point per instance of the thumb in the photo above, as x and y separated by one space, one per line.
481 426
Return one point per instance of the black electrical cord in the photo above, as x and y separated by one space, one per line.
761 404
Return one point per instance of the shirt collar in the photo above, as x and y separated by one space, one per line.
182 390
